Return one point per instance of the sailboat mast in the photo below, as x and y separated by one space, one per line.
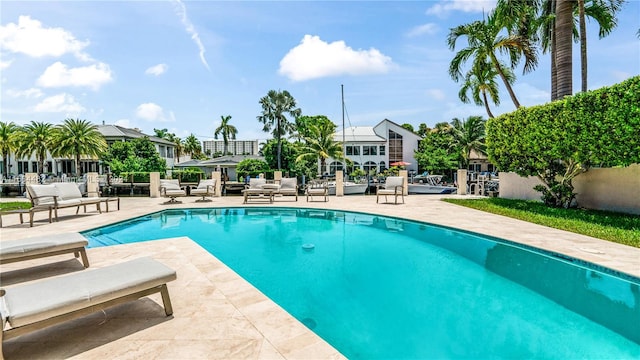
344 146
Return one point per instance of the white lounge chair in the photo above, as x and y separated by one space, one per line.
171 188
317 188
288 187
43 246
393 185
37 305
206 188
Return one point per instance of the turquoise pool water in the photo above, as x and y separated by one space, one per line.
378 287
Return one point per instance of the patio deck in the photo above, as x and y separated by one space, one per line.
216 313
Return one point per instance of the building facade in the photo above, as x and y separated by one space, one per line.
375 148
234 147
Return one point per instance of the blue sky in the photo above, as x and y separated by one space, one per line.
182 64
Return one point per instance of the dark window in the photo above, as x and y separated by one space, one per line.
382 148
395 146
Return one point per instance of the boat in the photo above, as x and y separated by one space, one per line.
350 188
430 184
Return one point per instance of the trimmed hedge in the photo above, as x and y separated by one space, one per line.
559 140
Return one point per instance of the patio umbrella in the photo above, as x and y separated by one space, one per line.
400 163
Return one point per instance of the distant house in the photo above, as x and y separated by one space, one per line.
226 164
113 133
234 147
376 147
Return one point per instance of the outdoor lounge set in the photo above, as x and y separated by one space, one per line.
39 304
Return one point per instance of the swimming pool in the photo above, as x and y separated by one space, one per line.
379 287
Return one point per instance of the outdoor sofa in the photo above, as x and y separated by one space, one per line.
60 195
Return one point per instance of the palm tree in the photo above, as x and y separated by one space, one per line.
192 145
563 32
484 42
320 145
75 137
469 136
481 80
8 143
226 130
274 108
35 137
163 133
604 13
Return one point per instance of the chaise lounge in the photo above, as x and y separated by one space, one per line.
37 305
43 246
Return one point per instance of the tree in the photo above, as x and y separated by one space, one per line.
407 126
321 145
481 80
275 106
8 143
179 146
468 135
303 124
423 129
75 137
36 137
251 167
137 155
162 133
563 32
484 42
226 130
436 152
192 145
288 152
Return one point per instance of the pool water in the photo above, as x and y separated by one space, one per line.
379 287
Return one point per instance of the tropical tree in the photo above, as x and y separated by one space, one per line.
423 129
562 36
178 146
485 40
468 136
481 81
137 155
275 106
407 126
227 131
75 137
8 143
162 133
35 137
437 152
321 145
192 145
303 124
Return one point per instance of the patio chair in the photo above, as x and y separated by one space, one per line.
43 246
317 188
36 305
288 187
205 188
393 185
258 188
171 188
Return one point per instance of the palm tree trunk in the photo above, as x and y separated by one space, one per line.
583 45
554 69
486 104
496 63
564 34
279 145
5 165
78 170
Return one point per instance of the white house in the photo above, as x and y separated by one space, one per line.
376 147
234 147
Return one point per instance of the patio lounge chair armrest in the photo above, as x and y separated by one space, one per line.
55 200
163 190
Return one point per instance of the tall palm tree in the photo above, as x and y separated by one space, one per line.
320 145
35 137
8 143
275 106
226 130
192 145
163 133
481 81
604 13
75 137
469 136
485 41
563 33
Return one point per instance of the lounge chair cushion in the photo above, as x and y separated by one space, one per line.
170 184
256 183
12 249
42 194
288 184
203 184
67 191
36 301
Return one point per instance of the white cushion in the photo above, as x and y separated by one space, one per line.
288 183
256 183
204 183
12 249
170 184
393 181
42 194
67 190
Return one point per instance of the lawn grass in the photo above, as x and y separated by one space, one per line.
13 205
611 226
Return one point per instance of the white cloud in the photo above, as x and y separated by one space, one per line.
32 93
5 64
30 38
445 6
437 94
157 70
123 122
314 58
60 103
92 76
181 11
153 112
429 29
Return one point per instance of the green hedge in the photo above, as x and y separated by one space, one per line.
560 140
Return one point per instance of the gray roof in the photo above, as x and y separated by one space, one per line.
358 134
115 131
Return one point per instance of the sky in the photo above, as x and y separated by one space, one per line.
181 65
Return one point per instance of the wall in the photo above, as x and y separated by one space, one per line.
614 189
